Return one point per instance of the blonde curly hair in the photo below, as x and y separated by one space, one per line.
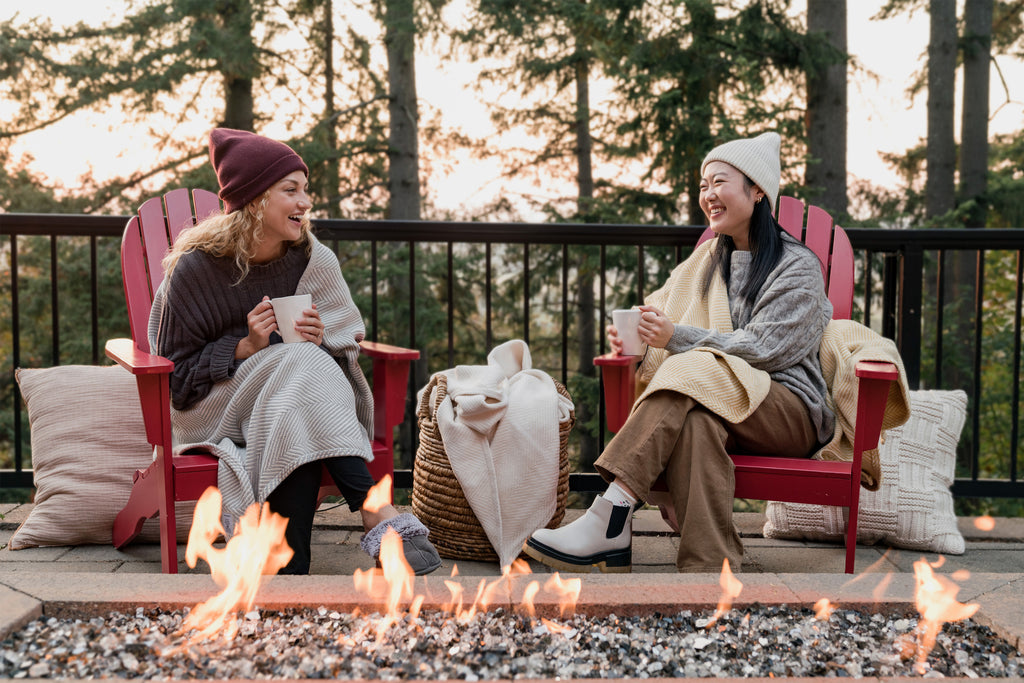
234 235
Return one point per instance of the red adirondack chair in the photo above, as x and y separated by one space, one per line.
184 477
786 479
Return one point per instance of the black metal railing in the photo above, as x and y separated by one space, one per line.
950 299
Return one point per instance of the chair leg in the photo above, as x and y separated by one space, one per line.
150 498
168 539
142 505
851 537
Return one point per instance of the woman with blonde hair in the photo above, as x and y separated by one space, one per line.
273 413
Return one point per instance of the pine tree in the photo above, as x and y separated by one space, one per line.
940 196
695 73
164 66
827 110
976 45
134 64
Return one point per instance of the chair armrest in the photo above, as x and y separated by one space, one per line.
875 380
618 374
387 351
390 384
877 370
135 360
153 376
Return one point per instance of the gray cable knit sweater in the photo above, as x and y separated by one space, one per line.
781 332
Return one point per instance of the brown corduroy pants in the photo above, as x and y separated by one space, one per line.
670 432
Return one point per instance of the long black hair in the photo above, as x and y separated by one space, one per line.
765 239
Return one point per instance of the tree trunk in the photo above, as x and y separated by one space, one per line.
697 93
403 152
238 75
962 288
977 46
584 143
329 180
238 112
403 166
585 304
940 188
826 110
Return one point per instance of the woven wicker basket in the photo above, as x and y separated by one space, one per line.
437 496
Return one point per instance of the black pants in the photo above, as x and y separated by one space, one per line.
295 499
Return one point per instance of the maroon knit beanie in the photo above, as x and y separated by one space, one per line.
248 164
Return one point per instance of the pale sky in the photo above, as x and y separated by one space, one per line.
881 117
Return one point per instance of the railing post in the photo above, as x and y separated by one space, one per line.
910 298
890 295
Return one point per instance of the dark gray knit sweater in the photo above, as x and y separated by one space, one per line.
205 316
781 332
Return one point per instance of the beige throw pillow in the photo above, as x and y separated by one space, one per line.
913 507
88 438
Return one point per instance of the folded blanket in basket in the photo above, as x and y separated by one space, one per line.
500 427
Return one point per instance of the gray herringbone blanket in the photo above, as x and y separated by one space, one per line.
288 404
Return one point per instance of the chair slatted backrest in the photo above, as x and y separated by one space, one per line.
791 216
829 243
147 238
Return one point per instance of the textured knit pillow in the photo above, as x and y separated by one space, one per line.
913 507
88 439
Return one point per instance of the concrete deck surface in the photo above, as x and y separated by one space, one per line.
96 579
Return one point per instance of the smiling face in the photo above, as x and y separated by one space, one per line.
284 213
728 201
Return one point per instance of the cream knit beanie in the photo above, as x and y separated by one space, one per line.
758 158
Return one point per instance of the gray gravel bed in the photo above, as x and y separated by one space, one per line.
754 641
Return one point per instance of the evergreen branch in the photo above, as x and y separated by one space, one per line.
1006 89
1010 11
356 107
362 189
37 127
118 186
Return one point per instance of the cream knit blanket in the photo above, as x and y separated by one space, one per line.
288 404
844 344
500 424
725 384
732 389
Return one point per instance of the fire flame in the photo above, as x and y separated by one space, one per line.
555 627
398 574
823 609
568 591
935 598
398 580
379 495
985 523
883 584
528 594
257 547
731 589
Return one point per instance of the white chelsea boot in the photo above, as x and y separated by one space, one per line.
601 538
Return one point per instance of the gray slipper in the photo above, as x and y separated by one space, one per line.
421 555
419 551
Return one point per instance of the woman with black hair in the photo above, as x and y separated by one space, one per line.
732 362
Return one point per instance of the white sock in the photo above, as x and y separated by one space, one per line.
618 496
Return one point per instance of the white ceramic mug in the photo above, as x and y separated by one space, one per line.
627 322
288 309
